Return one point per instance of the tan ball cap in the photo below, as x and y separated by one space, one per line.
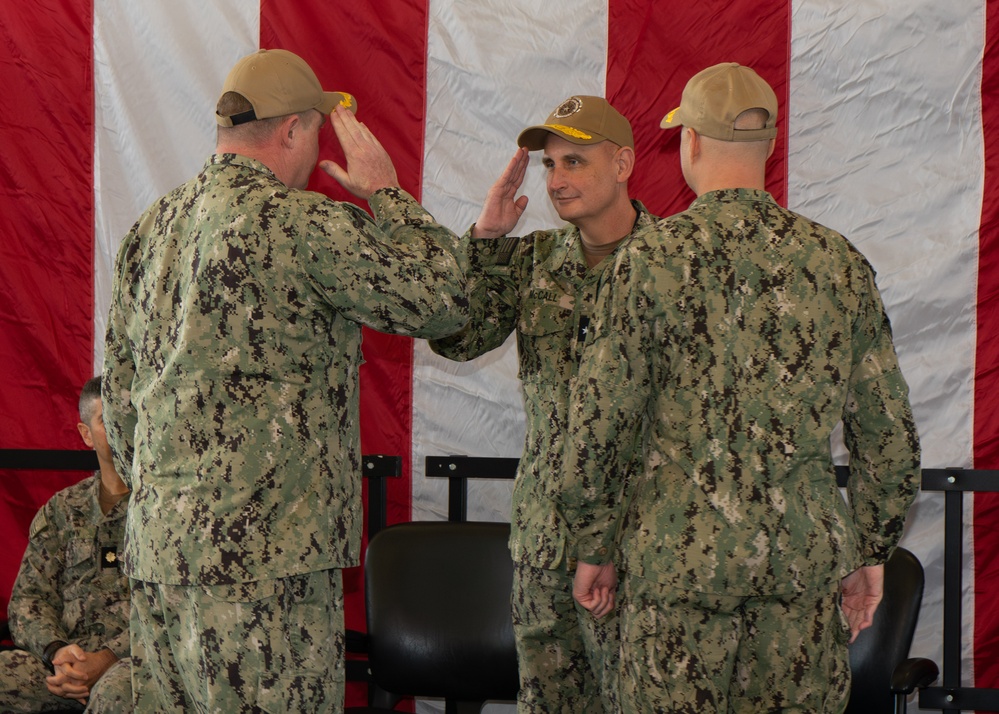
714 97
277 83
580 119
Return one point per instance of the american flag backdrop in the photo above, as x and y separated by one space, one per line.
888 134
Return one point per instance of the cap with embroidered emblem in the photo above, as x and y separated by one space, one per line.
580 119
277 83
715 96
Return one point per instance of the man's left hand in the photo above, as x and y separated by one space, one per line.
862 591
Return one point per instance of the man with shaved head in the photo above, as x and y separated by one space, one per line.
728 344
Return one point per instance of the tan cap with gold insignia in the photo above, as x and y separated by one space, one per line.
715 96
580 119
277 83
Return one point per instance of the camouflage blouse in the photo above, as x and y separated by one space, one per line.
726 345
541 287
70 586
231 367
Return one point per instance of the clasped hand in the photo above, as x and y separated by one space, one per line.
76 671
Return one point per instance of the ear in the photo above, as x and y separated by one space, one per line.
624 160
289 129
84 430
693 142
770 150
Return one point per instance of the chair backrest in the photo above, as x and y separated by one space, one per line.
438 611
881 647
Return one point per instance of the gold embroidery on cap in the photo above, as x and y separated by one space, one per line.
347 102
571 131
669 117
568 107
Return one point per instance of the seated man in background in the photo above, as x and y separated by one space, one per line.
70 605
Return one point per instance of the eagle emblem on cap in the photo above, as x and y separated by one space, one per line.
569 107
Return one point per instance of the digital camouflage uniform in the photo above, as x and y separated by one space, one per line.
541 286
69 588
231 405
732 338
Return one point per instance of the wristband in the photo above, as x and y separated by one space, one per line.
49 652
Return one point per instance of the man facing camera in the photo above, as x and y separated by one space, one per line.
543 287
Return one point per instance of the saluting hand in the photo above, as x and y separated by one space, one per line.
502 209
369 167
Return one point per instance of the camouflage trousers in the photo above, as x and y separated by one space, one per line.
693 652
22 687
267 646
568 659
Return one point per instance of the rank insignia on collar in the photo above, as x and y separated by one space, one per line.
109 557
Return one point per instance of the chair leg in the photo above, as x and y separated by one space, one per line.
380 699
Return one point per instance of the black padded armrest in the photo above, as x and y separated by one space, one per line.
917 672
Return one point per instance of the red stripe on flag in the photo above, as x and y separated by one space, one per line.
388 79
47 254
47 215
986 409
356 47
653 51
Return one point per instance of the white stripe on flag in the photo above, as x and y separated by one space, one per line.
493 69
158 68
886 146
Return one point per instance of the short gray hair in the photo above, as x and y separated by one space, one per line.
90 398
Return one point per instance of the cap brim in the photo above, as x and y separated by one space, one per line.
533 137
671 120
331 99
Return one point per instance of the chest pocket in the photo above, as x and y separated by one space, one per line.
78 578
545 335
79 551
